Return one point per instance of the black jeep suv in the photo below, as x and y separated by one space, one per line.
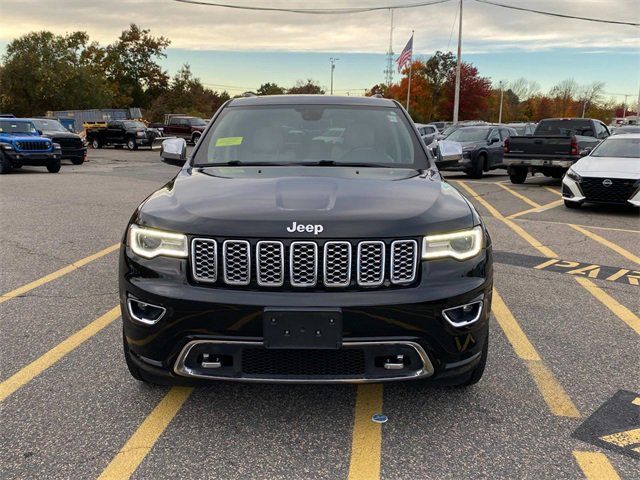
276 257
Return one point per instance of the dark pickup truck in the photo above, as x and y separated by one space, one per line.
189 128
72 145
555 145
131 133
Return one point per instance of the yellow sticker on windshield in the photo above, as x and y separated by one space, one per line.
228 141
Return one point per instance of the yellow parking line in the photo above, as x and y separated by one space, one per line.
595 465
612 229
603 241
619 310
526 200
622 312
546 251
57 274
144 438
366 444
553 190
35 368
552 392
542 208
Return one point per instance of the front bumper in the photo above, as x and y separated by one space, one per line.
74 153
38 159
380 323
572 192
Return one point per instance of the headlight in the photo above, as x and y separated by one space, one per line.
56 146
149 243
140 134
573 175
6 146
459 245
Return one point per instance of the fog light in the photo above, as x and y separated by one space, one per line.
463 315
145 312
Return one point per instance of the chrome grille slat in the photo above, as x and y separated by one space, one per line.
204 259
371 262
336 269
404 259
236 262
270 263
303 264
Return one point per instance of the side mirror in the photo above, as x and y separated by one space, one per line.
39 132
174 150
449 153
585 152
493 140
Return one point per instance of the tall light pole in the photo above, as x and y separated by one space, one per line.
456 101
333 67
501 97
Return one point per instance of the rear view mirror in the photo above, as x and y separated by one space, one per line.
174 150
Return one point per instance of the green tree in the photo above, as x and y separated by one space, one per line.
310 87
436 71
130 63
270 89
42 71
187 95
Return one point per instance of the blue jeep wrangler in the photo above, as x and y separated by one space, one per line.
21 144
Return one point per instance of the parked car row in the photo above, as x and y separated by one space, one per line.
129 133
38 142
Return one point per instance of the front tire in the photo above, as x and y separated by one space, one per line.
477 168
5 165
54 167
131 144
133 370
517 175
195 137
476 373
572 205
96 144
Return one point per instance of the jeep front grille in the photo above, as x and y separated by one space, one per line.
32 145
305 264
204 260
236 261
404 255
270 263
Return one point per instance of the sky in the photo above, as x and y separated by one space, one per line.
237 50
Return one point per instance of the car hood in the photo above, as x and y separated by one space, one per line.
17 137
59 134
610 167
347 202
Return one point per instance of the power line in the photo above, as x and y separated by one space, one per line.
552 14
314 11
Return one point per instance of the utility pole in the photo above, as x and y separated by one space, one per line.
501 97
624 107
333 67
456 101
388 72
638 109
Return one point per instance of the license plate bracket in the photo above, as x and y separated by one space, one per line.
299 328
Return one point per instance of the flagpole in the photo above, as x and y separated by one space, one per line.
410 70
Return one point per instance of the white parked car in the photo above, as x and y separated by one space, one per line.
610 173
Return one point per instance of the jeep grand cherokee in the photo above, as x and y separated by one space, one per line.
274 256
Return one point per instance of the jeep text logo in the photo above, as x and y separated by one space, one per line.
315 229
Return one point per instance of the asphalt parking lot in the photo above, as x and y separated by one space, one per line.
560 397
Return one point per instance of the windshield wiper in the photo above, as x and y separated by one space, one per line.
333 163
240 163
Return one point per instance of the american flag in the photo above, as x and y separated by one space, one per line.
405 55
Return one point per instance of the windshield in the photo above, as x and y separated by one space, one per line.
134 125
7 126
450 130
197 122
618 147
565 128
469 135
295 134
49 125
622 130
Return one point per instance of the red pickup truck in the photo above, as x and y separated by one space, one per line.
189 128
